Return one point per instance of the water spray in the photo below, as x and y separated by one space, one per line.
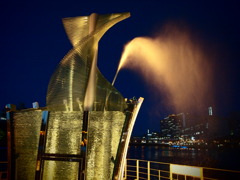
168 61
121 62
115 77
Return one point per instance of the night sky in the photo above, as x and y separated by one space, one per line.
33 42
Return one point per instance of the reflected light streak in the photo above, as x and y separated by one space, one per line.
91 86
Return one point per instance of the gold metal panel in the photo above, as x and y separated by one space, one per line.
64 132
60 170
104 133
26 130
67 87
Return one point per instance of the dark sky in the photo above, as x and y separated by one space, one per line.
33 41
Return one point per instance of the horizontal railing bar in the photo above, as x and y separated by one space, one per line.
166 177
131 171
142 178
137 160
156 175
187 175
149 161
154 169
155 162
131 166
131 176
142 173
164 171
142 168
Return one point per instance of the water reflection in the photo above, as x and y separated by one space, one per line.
225 159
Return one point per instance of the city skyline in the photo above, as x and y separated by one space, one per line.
33 42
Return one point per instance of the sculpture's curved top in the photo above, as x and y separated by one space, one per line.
77 84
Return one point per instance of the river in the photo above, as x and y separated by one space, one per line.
215 158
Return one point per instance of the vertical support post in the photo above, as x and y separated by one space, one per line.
85 128
201 172
170 167
82 174
80 169
11 145
159 174
148 169
125 169
137 169
41 146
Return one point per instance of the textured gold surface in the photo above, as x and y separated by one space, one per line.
60 170
27 127
67 87
64 137
104 135
64 132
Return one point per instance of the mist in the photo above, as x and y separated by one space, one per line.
175 67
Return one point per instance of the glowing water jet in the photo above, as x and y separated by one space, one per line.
121 62
174 65
115 77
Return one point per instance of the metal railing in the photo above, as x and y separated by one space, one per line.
136 169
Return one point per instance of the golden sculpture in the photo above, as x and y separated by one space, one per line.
84 131
77 84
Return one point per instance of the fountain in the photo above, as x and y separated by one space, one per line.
84 131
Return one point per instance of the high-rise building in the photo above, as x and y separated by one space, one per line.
188 126
171 126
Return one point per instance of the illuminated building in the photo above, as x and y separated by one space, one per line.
188 126
84 131
203 127
171 126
